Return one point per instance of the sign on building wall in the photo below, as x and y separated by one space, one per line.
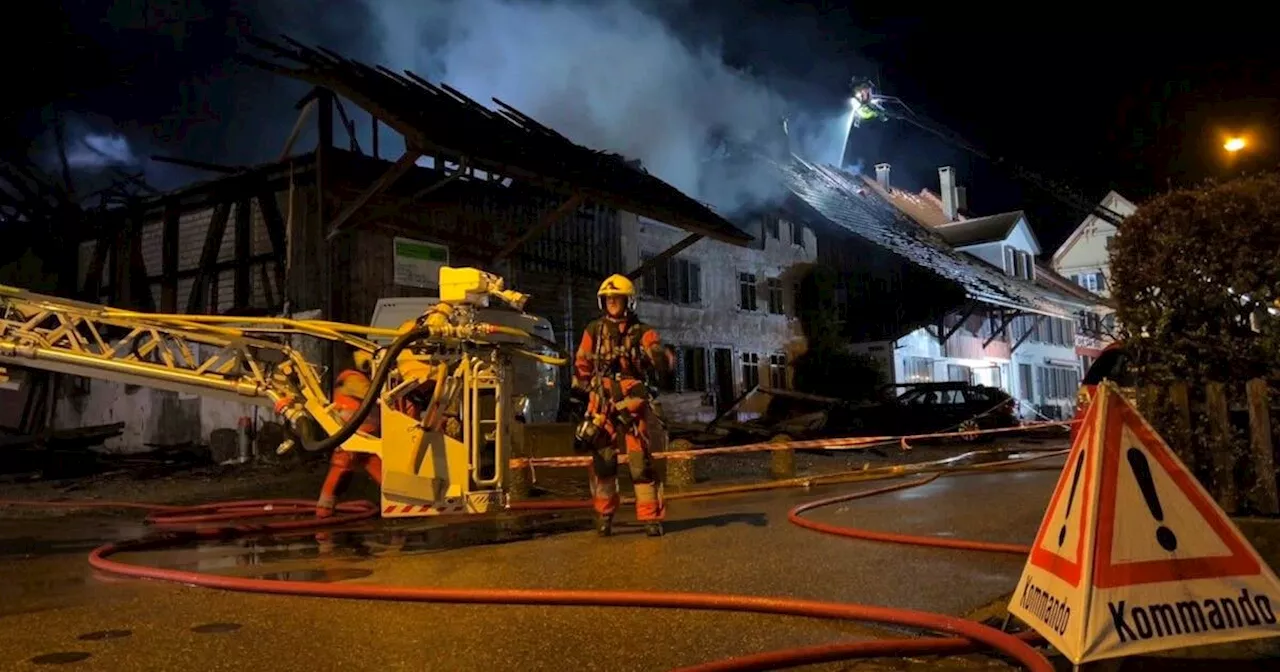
417 263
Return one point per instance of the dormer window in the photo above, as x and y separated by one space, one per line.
1019 264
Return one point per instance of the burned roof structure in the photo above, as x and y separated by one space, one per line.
843 200
441 121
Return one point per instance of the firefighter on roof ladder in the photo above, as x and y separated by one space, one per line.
866 104
613 366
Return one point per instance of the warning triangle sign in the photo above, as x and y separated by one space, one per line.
1133 555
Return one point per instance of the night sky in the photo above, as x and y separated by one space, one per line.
1100 101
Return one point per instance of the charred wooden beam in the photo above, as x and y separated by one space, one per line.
347 124
1006 318
569 206
450 177
243 288
397 170
255 260
169 261
199 165
1027 334
266 285
274 222
324 99
139 288
205 275
307 107
664 255
93 275
946 335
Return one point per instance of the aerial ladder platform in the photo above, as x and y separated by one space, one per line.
442 386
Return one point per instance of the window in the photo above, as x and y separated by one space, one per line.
1109 242
1089 281
677 280
1101 281
959 374
797 234
693 374
747 291
1057 382
774 287
750 370
778 371
771 227
917 369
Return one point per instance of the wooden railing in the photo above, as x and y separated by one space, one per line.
1226 435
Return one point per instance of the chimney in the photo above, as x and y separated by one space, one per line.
947 182
882 175
962 201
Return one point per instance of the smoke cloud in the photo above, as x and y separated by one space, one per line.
611 76
94 151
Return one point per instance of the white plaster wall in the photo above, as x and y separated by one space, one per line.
1039 355
151 418
717 321
992 253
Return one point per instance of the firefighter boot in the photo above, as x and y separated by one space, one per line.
653 529
604 525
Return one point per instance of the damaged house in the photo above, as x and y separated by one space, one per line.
730 311
935 297
330 232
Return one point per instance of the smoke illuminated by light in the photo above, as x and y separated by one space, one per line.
97 151
611 75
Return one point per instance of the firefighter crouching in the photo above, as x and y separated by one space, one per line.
350 390
614 362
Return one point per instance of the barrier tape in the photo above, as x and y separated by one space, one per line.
848 443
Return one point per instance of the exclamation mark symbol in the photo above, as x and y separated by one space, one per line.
1071 497
1142 472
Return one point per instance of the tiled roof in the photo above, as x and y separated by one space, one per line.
924 207
849 203
442 121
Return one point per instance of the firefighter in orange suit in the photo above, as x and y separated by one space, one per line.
614 363
350 390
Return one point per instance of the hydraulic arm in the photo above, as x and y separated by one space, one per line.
444 453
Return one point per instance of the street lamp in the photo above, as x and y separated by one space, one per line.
1234 144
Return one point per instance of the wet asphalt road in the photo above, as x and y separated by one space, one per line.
55 611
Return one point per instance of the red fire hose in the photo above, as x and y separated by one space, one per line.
190 523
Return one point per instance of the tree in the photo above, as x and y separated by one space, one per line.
1197 286
1197 280
828 367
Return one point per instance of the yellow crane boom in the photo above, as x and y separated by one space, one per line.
426 471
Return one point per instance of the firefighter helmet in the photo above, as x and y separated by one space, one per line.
617 285
352 383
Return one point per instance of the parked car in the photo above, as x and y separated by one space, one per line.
928 408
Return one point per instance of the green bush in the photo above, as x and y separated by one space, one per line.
1194 274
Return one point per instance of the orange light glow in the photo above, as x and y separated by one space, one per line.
1234 144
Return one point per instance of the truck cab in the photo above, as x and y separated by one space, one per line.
535 387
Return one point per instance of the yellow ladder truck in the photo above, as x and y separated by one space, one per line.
451 458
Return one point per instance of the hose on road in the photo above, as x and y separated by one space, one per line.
232 519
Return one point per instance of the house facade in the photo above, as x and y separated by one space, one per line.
729 311
1085 259
1027 347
